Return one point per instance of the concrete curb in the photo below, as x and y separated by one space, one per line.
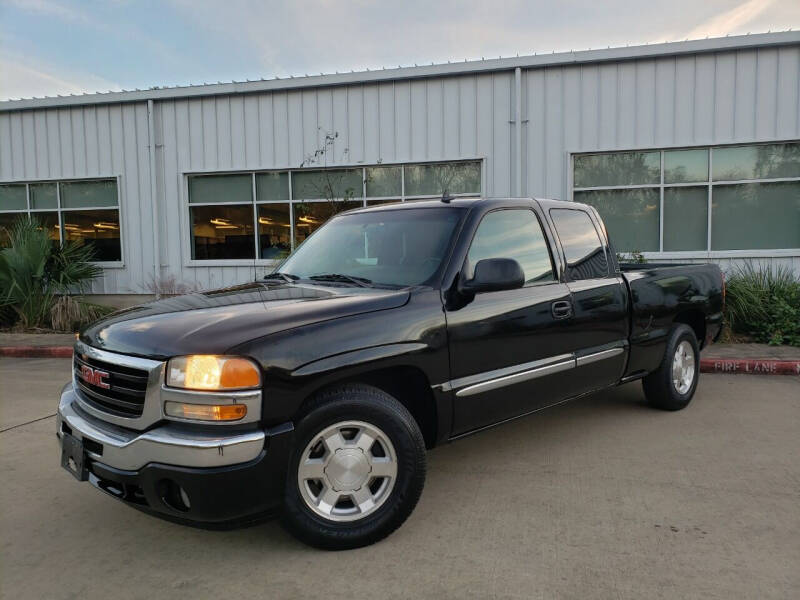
36 351
746 366
750 366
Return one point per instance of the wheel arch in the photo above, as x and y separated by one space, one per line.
695 319
407 383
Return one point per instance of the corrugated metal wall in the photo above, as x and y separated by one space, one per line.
739 96
743 96
696 100
92 141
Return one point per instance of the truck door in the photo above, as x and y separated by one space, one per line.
507 349
599 299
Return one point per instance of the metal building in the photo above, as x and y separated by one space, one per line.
690 150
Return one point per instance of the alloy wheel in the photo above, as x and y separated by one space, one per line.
683 367
347 471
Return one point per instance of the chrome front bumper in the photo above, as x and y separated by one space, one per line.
170 444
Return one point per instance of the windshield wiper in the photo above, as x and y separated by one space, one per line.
359 281
288 277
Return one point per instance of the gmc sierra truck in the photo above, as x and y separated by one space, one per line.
315 392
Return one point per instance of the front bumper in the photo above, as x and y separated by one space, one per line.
225 477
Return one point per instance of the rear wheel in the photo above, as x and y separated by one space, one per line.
672 385
357 470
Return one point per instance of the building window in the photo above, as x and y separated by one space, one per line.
224 231
709 199
84 211
266 215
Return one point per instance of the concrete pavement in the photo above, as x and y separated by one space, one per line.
600 498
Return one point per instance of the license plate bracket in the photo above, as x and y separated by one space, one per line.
73 457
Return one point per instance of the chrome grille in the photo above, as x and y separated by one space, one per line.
127 389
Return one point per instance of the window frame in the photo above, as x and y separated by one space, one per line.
548 244
709 183
59 210
186 221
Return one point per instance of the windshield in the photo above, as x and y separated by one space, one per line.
394 247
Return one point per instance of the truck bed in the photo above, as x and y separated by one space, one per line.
663 293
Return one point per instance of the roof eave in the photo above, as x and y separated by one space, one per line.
439 70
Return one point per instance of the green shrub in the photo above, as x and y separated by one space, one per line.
35 274
70 313
764 302
634 256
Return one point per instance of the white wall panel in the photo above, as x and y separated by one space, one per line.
744 95
372 122
387 132
787 113
468 116
451 118
725 97
684 97
355 123
607 102
625 107
555 165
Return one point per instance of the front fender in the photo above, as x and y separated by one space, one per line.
358 357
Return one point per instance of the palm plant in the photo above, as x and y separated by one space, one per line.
34 272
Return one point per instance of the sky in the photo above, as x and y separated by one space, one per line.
51 47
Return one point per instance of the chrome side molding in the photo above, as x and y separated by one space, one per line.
598 356
499 382
492 380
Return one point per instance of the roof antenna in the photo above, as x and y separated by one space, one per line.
446 198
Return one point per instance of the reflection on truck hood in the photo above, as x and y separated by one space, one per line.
212 322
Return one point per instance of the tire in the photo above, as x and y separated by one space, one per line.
332 442
661 388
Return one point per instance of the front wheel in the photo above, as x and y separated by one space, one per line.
357 470
672 385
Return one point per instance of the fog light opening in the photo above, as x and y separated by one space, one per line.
185 498
174 496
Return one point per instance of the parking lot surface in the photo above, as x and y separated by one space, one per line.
600 498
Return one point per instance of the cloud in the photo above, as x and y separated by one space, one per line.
50 9
19 79
732 20
193 41
281 38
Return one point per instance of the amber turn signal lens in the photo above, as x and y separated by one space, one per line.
205 412
239 373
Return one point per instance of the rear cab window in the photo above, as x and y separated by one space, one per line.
583 249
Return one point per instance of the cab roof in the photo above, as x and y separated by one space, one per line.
545 203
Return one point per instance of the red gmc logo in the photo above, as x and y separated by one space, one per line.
94 377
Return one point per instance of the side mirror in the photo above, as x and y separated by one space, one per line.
494 275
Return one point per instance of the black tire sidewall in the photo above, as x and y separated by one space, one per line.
358 403
684 333
659 387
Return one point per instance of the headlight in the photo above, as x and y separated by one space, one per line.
209 372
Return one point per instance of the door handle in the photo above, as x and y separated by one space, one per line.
561 309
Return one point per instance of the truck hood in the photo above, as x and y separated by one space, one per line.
213 322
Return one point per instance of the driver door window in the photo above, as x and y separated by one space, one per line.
513 234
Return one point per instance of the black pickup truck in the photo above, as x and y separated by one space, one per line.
316 391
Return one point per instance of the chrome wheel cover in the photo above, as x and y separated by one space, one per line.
347 471
683 367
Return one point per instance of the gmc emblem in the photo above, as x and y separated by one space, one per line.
94 377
